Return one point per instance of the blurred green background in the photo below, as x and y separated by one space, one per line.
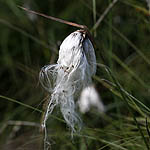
28 42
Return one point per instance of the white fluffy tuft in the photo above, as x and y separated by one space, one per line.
65 80
90 98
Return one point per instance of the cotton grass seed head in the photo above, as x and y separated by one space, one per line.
65 80
90 98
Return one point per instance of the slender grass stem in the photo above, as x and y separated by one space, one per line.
130 109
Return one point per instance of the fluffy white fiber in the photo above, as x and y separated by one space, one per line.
90 98
65 80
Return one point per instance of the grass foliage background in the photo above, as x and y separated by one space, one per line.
122 43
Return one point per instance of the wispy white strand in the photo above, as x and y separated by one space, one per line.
47 77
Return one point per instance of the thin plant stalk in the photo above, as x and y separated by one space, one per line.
131 111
